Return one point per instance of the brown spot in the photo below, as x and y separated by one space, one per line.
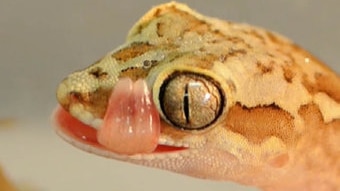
97 103
236 40
190 23
310 87
263 68
216 31
320 139
93 102
257 35
313 117
157 13
290 57
139 29
260 123
270 55
160 29
329 84
132 51
236 52
206 61
77 97
223 58
98 73
219 36
232 85
179 22
202 49
288 74
199 26
311 114
272 37
134 73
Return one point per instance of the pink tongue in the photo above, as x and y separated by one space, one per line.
131 123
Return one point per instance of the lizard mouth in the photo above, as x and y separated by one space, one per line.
130 126
73 130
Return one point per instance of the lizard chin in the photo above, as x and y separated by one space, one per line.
85 137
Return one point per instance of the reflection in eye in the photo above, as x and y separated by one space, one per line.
191 101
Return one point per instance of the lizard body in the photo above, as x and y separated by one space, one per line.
220 100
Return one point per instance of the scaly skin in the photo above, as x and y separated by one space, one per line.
274 121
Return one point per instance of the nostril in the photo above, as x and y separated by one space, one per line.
78 97
75 97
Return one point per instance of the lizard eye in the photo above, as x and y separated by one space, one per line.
190 101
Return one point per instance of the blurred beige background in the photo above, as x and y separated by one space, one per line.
43 41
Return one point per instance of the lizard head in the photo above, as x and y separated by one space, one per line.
193 95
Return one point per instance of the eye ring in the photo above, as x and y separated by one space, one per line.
191 101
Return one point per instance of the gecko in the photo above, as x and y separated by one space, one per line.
211 99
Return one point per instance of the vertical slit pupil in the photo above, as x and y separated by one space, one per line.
186 104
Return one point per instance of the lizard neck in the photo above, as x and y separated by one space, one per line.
314 162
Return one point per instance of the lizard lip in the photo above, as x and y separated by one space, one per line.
82 135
